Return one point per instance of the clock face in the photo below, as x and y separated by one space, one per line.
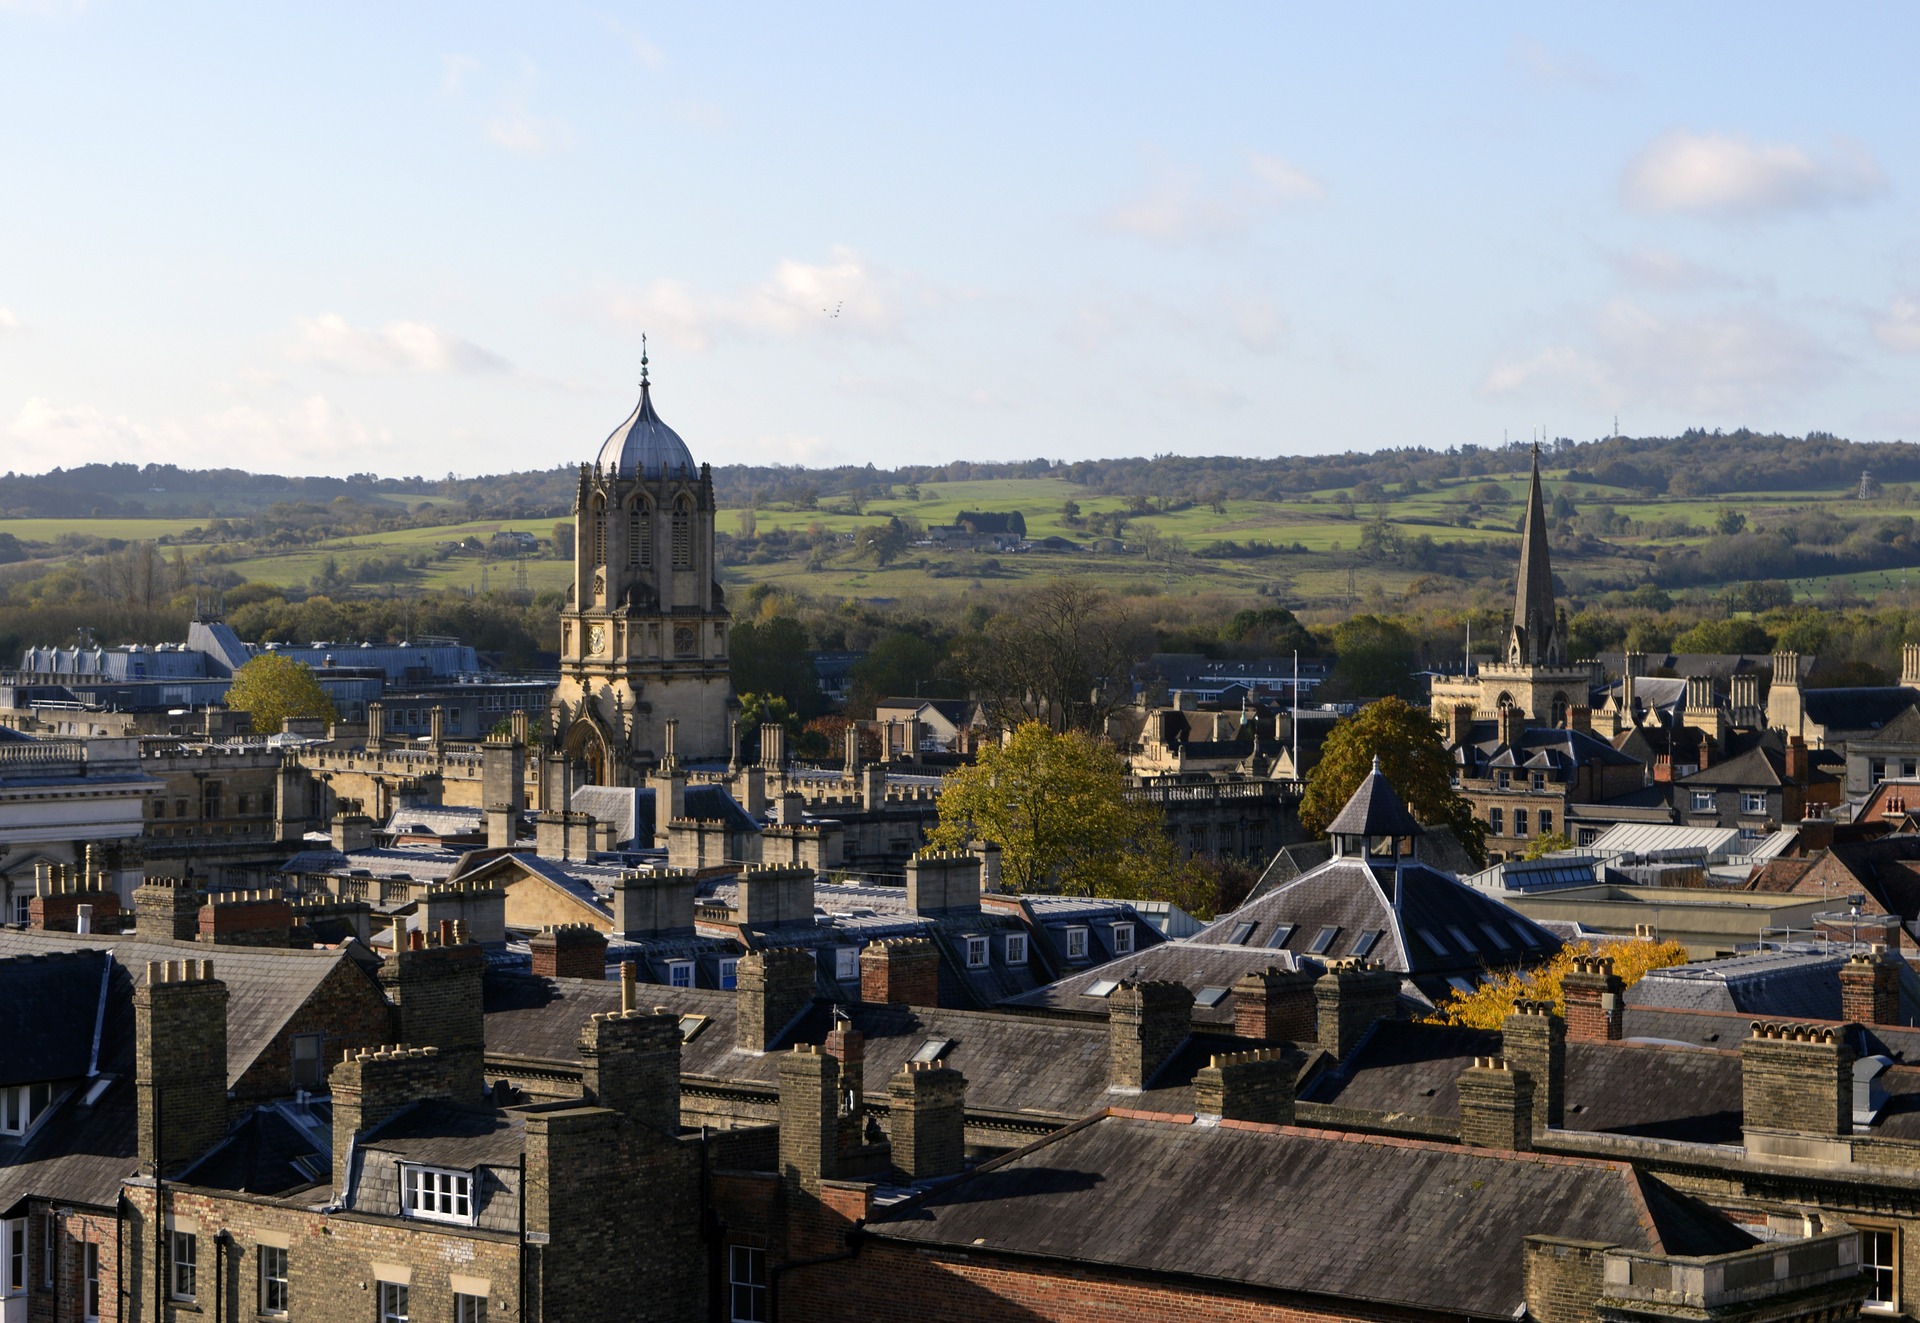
683 640
597 639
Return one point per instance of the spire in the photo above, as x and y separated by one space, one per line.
643 365
1535 639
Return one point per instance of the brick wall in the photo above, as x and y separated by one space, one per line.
1596 1008
180 1050
902 971
1797 1077
347 1010
73 1230
1276 1005
1534 1039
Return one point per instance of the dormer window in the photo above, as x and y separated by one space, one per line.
976 953
1016 948
680 973
1503 779
21 1105
1076 943
1123 939
437 1194
729 972
846 964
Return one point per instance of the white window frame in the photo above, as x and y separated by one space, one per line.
21 1105
394 1302
1701 801
49 1233
1123 938
469 1308
1753 801
268 1254
979 954
1016 948
437 1194
729 972
1875 1268
90 1280
1076 943
746 1284
679 973
15 1282
183 1264
846 963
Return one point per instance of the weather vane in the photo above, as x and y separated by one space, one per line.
643 358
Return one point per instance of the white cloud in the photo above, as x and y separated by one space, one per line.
648 54
1726 175
842 296
1549 68
1900 327
406 348
517 129
1668 272
9 324
454 71
1180 205
1716 364
512 124
312 435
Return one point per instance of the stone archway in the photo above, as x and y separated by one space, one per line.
586 749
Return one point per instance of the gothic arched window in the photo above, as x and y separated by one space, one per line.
682 534
640 536
599 545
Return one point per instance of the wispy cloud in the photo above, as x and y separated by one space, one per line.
1556 69
1664 271
648 54
845 295
310 435
398 348
1729 176
454 72
1181 205
508 118
1899 327
9 324
1719 364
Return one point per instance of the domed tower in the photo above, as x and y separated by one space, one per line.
643 637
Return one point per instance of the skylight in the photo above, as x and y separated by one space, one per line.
1465 942
1432 939
1283 934
932 1049
1100 987
690 1027
1323 940
1493 935
1241 932
1367 941
1526 938
1209 996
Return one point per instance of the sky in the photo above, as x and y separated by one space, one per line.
427 238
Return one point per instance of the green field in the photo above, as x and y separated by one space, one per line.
1318 536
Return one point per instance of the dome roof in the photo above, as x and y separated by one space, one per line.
643 446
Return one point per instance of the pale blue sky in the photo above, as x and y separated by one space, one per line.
422 238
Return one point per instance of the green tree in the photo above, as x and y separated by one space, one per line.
899 665
1375 657
1413 758
272 690
756 710
1545 844
1057 806
563 541
774 656
1725 636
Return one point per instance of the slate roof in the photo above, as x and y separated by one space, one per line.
1758 766
447 1134
1202 966
53 1000
1860 709
422 863
631 810
265 986
1375 809
268 1153
645 447
437 820
1441 927
1405 1069
1773 983
1395 1222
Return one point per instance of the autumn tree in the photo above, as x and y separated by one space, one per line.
1063 656
1545 844
1056 804
1413 758
1488 1005
273 690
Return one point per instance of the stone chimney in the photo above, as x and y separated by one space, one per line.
1350 997
437 989
503 793
1496 1106
943 882
436 725
873 787
900 971
369 1087
989 856
1870 986
1910 665
571 950
1743 693
1786 670
1797 1078
630 1062
1246 1086
1596 1008
1699 693
773 746
1146 1024
1460 724
659 903
180 1063
59 897
1533 1039
775 894
772 988
927 1120
376 726
166 909
1513 725
351 831
1276 1005
669 785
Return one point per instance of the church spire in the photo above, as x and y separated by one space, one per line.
1535 639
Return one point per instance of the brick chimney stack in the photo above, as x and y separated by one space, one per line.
631 1063
1870 987
900 971
571 950
166 909
1596 1011
1460 724
1276 1005
1349 998
1496 1106
927 1120
1513 725
772 988
1797 1078
368 1087
59 897
180 1055
1796 760
1246 1086
437 988
1146 1024
1534 1039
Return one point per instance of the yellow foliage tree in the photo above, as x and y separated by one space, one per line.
1057 806
272 689
1488 1005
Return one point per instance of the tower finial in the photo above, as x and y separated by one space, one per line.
1376 764
643 360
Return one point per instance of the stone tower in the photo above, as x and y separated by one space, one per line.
644 675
